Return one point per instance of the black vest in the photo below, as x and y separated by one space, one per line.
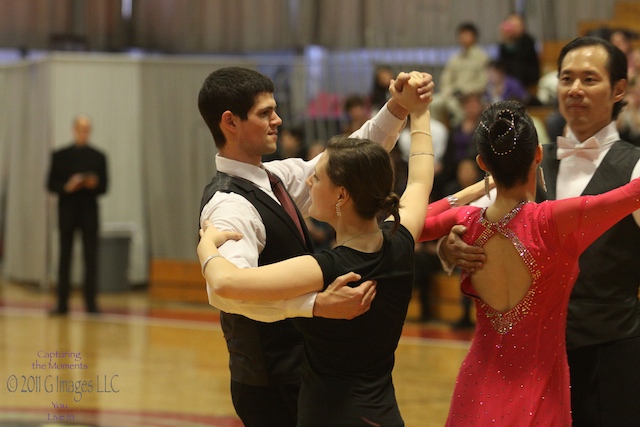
604 304
260 353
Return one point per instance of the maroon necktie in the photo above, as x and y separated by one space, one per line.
285 201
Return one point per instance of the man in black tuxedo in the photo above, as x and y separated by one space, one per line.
78 175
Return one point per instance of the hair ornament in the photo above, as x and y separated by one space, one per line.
503 133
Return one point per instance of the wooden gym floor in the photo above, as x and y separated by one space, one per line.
148 363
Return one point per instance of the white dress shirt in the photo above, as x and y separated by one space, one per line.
230 211
575 172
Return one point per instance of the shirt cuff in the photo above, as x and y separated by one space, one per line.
386 120
301 306
445 265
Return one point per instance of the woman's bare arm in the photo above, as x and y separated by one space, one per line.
282 280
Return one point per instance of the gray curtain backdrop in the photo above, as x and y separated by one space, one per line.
24 144
223 26
179 150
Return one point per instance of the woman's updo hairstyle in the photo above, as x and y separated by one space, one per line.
506 139
365 170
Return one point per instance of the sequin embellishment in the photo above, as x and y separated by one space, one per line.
502 323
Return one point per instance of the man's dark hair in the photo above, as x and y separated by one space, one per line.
616 64
233 89
468 26
354 100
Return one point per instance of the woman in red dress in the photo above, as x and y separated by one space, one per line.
516 371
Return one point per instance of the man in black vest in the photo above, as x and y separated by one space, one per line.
266 203
603 322
78 175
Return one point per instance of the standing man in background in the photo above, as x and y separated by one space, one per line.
78 175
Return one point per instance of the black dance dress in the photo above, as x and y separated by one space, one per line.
346 379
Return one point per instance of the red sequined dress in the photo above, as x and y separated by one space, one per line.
516 371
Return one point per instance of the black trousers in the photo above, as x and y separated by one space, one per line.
605 384
84 219
266 406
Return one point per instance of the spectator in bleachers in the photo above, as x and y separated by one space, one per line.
547 89
622 39
502 87
292 143
634 63
467 173
460 144
554 123
380 90
356 113
517 50
629 118
440 136
465 72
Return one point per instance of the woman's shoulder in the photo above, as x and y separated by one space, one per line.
467 213
401 234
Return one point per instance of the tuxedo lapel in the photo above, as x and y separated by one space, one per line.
550 166
606 175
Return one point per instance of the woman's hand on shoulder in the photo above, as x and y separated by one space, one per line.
218 237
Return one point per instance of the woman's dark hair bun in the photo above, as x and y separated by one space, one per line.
502 133
507 141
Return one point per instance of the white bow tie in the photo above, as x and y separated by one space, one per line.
587 150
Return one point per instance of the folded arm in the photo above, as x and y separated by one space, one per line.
282 280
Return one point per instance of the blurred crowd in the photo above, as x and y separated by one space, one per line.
470 81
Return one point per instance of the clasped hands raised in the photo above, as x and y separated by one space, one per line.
413 91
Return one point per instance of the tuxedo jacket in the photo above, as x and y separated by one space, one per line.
604 304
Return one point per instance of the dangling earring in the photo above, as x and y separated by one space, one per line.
541 180
338 213
487 188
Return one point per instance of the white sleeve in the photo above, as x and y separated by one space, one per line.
445 265
229 211
266 311
383 128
